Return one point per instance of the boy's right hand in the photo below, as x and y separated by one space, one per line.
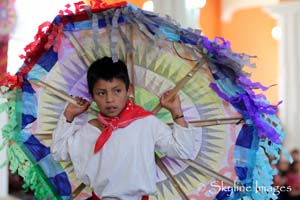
72 110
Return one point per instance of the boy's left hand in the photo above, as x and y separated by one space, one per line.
173 104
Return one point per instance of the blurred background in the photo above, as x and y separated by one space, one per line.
266 29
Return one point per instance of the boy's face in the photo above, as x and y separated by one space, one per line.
110 96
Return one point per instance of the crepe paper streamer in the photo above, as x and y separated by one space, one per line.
30 161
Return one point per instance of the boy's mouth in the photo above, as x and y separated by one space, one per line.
111 109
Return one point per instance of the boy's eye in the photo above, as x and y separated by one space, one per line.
101 93
117 91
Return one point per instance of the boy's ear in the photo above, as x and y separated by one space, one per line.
130 91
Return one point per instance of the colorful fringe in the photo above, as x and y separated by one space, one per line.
28 157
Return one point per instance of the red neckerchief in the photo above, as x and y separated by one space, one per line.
130 113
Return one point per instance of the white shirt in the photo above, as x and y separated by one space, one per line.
125 167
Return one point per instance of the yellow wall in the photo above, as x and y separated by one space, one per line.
249 31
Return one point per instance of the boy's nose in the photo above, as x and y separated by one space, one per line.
109 98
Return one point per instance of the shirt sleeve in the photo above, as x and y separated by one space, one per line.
177 142
68 144
62 139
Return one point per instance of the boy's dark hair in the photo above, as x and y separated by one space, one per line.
107 70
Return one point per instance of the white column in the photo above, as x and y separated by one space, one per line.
288 15
184 12
4 170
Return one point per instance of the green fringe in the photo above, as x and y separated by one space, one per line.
34 178
20 159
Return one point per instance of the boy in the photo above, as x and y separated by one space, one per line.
114 154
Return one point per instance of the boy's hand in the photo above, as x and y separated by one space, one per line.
173 104
72 110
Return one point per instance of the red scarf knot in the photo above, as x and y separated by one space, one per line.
130 113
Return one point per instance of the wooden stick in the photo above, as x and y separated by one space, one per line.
179 85
173 92
77 191
214 122
43 136
62 95
68 166
170 177
130 62
207 171
199 123
80 49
